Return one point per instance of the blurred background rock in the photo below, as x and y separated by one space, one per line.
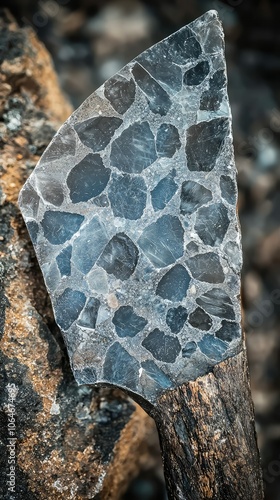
90 40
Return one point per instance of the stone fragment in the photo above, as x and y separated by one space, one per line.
68 307
52 192
162 347
127 322
153 61
232 251
211 98
88 178
86 376
193 196
119 257
65 145
134 150
176 318
205 142
33 229
212 223
88 245
157 374
162 241
167 141
59 227
31 200
88 316
217 302
96 133
206 267
212 348
128 196
189 349
197 74
101 201
192 247
200 319
174 284
120 368
158 99
229 331
97 281
120 92
63 260
228 189
163 192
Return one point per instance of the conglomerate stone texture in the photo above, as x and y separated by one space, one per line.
132 212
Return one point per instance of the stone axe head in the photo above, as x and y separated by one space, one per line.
132 213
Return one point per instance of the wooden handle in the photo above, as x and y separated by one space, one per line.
207 436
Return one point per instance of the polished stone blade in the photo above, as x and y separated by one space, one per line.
132 213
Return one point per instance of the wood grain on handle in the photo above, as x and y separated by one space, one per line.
207 436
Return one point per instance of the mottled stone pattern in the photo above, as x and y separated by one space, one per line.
132 212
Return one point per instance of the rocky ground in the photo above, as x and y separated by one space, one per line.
91 39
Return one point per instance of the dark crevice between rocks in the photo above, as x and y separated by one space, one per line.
28 402
11 43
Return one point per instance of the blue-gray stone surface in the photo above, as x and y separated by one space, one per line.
132 213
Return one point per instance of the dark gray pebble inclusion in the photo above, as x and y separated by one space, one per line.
162 241
88 178
119 257
176 318
132 213
200 319
127 322
163 347
163 191
128 196
120 92
174 284
196 74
